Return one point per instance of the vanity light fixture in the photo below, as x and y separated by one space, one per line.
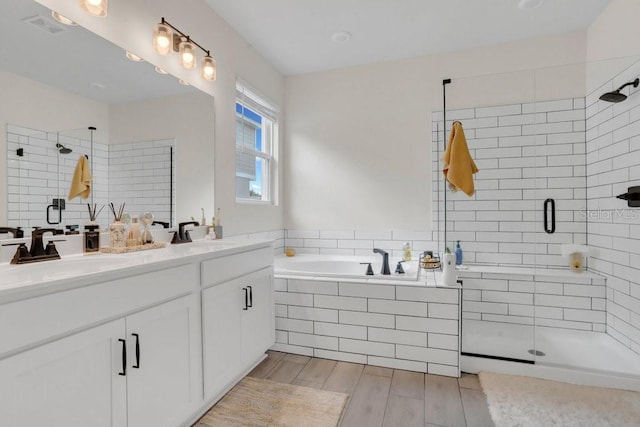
95 7
208 68
133 57
62 19
168 39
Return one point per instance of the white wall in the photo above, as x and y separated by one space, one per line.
189 119
31 104
358 140
129 25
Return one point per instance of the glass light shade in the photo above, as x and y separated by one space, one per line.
208 68
163 39
61 18
187 52
95 7
133 57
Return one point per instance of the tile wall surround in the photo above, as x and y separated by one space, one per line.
526 153
613 164
542 299
404 327
33 182
119 172
140 173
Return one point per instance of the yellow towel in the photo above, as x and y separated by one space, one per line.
459 167
81 181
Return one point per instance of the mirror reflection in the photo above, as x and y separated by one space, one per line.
78 80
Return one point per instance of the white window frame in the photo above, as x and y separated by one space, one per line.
268 110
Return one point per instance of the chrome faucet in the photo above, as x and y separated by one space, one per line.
385 261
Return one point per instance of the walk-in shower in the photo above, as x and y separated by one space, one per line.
523 310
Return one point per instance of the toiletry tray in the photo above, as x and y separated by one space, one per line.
149 246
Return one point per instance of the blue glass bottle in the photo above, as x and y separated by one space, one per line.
458 253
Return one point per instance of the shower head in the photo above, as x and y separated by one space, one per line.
62 149
616 96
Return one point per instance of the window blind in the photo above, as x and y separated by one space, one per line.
254 100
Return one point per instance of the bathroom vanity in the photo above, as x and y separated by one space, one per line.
144 339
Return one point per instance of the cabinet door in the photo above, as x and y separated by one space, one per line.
222 308
258 322
162 377
73 381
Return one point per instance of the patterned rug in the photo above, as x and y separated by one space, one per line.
257 402
532 402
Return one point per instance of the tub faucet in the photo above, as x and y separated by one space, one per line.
385 261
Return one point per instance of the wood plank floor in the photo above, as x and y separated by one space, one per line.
382 396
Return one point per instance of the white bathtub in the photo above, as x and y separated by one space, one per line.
342 266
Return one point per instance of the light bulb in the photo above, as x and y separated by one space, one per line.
163 39
61 18
187 51
95 7
133 57
208 68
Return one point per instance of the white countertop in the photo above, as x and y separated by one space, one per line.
30 280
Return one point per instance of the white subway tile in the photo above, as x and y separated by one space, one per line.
421 324
367 319
305 326
338 355
398 307
405 365
315 341
367 290
294 349
445 342
397 337
444 370
309 313
290 298
341 303
429 355
313 287
339 330
367 347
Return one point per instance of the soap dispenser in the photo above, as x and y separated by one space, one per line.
458 253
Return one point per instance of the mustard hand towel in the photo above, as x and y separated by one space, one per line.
459 167
81 181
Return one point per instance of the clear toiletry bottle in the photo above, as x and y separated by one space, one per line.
458 253
134 237
406 251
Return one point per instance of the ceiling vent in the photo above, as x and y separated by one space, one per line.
45 24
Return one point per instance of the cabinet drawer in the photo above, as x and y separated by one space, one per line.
30 321
225 268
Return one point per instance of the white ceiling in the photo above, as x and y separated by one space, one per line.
75 59
295 35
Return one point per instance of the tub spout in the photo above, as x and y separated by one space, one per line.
385 261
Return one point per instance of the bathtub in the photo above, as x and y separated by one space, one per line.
342 266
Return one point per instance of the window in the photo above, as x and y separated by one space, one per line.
256 130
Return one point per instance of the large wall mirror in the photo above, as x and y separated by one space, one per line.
67 94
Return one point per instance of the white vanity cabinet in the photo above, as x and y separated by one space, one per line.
140 369
237 316
73 381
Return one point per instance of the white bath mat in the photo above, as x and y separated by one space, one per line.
528 402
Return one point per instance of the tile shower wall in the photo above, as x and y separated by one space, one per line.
526 153
33 179
613 164
136 173
140 174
